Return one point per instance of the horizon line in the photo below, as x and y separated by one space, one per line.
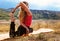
32 9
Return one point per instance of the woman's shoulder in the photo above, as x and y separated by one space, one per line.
29 13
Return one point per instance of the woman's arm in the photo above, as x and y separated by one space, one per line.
12 13
25 8
15 8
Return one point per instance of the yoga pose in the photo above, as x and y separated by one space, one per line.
25 18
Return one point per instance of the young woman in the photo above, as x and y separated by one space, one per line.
25 18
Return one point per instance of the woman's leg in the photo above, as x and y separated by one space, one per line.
12 27
21 30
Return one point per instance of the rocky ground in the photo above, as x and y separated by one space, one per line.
47 36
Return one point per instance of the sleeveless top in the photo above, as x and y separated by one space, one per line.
28 20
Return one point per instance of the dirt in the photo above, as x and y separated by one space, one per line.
46 36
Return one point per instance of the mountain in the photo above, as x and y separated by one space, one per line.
37 14
45 14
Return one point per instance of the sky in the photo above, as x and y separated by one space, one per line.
33 4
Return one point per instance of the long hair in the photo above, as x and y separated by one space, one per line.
22 13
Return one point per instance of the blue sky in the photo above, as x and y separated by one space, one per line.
33 4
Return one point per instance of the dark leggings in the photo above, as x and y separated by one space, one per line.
12 29
20 31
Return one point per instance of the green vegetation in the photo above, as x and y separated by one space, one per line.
37 14
4 14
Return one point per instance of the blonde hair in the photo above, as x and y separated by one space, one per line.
22 13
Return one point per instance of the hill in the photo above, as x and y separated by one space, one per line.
37 14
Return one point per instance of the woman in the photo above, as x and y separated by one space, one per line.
25 18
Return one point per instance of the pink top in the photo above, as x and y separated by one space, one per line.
28 20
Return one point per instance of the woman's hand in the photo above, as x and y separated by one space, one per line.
12 17
27 30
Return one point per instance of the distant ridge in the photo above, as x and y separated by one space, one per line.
37 14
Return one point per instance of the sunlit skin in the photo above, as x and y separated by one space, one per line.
26 9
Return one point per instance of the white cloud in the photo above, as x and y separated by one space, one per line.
57 3
40 3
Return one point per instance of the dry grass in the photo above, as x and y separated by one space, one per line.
36 24
51 36
54 24
4 27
